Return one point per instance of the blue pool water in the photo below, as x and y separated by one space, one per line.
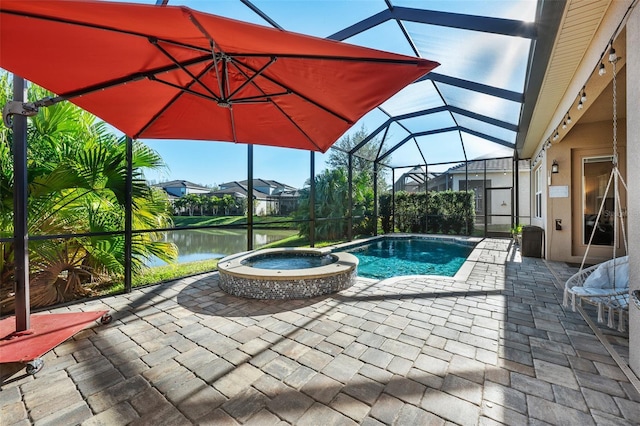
394 257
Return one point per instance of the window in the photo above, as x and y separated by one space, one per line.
596 172
537 182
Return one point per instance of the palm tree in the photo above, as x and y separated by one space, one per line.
331 204
227 201
77 173
192 202
210 203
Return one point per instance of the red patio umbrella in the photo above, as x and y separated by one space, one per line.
174 73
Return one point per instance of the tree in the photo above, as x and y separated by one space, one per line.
227 201
76 185
210 203
363 161
179 205
332 206
191 202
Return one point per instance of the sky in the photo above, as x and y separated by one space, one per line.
213 163
486 58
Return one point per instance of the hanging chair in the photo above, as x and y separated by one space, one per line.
605 285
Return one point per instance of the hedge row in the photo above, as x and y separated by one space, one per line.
445 212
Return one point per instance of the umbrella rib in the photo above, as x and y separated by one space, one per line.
394 61
172 101
233 124
235 63
97 27
128 78
258 98
252 78
296 126
215 62
225 77
311 101
185 89
175 61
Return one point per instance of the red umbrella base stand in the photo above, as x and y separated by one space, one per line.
47 331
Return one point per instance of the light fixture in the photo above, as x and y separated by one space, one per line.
602 70
556 136
554 167
612 55
580 105
564 125
583 98
568 119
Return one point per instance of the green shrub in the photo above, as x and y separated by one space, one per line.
441 212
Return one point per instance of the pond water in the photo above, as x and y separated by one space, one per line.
201 244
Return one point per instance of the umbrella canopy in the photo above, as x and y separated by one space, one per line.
174 73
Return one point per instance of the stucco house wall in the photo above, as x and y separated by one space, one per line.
584 140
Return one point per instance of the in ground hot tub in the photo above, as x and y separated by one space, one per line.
290 273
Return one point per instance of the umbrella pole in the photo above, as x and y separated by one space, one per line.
312 200
250 197
20 229
350 199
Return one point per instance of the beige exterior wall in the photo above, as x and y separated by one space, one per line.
584 140
596 138
633 161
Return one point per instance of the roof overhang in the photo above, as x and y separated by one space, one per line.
583 34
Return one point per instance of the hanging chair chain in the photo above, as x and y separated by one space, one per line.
615 115
615 165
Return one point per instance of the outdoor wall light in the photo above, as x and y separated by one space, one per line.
554 167
602 70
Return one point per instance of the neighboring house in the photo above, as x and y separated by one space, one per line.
492 181
269 196
413 180
178 188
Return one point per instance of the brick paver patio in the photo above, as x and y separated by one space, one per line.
497 348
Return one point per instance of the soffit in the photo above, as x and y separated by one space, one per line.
579 25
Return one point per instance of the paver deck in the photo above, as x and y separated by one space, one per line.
498 348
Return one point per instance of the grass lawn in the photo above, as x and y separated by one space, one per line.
163 273
180 221
298 241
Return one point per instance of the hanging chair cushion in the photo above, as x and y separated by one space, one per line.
602 282
604 276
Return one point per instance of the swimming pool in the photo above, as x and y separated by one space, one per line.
390 257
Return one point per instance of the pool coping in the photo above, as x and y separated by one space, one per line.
232 264
462 274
